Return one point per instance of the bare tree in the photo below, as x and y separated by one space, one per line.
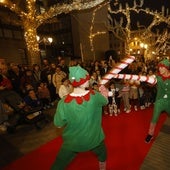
121 27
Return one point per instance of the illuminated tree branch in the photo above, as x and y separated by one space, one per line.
30 21
124 32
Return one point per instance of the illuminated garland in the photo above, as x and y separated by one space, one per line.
31 21
13 7
66 8
125 32
158 18
162 43
92 35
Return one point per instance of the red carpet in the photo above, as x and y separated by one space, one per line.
124 139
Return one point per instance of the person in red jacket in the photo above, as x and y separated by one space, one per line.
5 83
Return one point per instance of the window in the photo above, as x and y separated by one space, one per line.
17 35
8 33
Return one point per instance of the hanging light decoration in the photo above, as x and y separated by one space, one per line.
158 18
31 21
93 35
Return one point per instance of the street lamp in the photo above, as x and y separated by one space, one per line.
46 41
143 46
50 39
144 49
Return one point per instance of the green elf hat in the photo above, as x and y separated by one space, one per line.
78 75
164 63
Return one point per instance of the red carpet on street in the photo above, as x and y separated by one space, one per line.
126 148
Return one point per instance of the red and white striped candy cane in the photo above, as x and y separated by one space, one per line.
119 67
148 79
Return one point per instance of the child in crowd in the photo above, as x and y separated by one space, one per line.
134 93
118 97
125 96
32 100
26 88
5 112
141 96
44 95
114 99
95 86
65 88
93 78
57 78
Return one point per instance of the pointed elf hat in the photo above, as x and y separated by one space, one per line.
78 75
164 63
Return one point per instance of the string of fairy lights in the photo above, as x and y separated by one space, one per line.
158 18
162 42
92 34
31 20
66 8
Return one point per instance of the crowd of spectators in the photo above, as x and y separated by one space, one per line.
49 82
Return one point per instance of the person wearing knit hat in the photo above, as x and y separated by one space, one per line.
78 75
164 63
80 113
162 101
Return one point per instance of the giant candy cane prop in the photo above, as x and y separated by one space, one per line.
124 63
148 79
114 74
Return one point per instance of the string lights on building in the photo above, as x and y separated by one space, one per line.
93 35
147 33
30 20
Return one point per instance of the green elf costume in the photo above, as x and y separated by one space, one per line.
162 102
80 113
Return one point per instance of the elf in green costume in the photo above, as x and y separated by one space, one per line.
80 113
162 102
